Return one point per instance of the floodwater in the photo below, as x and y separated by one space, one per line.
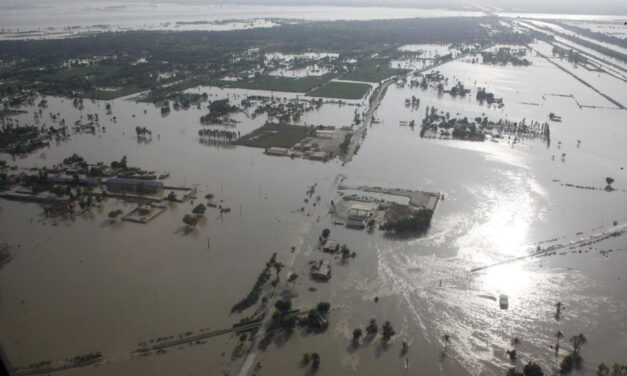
86 285
155 15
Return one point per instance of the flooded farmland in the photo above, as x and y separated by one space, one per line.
522 217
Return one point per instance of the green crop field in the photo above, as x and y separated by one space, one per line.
373 71
341 90
277 83
273 134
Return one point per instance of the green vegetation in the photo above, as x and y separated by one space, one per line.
218 109
6 254
277 83
341 90
372 328
190 220
76 73
315 361
418 221
388 331
283 305
373 70
80 66
273 134
255 293
107 95
199 210
7 112
356 335
616 370
114 214
161 93
323 308
574 359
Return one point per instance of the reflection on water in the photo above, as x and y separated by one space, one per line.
502 223
510 279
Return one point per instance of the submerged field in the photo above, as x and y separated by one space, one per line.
271 134
90 285
341 90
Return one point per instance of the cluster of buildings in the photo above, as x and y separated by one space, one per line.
359 215
139 186
323 144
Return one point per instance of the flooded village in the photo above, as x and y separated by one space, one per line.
450 203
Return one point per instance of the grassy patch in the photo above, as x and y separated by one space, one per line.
6 112
163 92
373 71
342 90
70 74
277 83
273 134
106 95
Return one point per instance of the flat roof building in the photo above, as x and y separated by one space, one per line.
134 185
277 151
358 215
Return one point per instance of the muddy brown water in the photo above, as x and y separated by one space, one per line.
87 286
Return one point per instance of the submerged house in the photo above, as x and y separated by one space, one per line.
331 246
134 185
358 216
321 270
277 151
72 180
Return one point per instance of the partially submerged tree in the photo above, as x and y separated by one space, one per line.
315 361
533 369
199 209
283 305
446 338
404 348
372 328
609 182
190 220
345 251
114 214
388 331
513 353
356 335
323 307
578 341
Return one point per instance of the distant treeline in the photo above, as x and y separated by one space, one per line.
622 42
132 60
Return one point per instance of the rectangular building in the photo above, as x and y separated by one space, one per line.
134 185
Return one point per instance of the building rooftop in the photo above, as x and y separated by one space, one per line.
134 181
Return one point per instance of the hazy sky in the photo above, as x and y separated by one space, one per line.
610 7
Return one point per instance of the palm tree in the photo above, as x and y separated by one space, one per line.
578 341
515 343
446 338
512 353
558 310
558 336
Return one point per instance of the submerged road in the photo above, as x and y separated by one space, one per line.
309 239
595 238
